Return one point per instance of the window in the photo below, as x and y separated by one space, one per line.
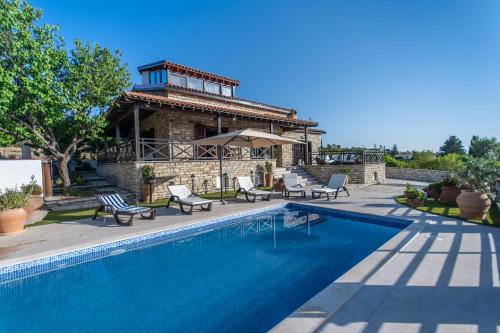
213 88
227 91
178 80
156 77
195 84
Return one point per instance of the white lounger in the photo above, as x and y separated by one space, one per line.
291 185
183 196
246 186
335 185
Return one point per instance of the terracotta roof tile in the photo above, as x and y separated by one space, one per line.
166 101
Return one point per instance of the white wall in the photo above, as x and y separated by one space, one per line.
17 172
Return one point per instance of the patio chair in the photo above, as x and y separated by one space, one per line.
114 204
291 185
247 187
183 196
335 185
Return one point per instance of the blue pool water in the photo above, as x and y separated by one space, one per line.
243 277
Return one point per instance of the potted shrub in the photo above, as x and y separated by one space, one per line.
477 175
408 188
268 167
434 190
12 213
34 191
148 177
278 185
416 197
449 190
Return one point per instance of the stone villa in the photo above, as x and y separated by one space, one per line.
174 105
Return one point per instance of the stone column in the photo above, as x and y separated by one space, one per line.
306 148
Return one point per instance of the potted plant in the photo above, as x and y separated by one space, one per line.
34 192
12 213
268 167
449 190
148 177
434 190
278 185
408 188
477 175
416 197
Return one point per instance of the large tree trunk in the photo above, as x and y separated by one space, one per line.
62 165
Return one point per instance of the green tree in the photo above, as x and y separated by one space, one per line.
484 147
452 145
394 150
51 97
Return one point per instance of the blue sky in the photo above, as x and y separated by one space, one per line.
371 72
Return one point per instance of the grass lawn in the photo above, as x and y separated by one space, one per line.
78 214
435 207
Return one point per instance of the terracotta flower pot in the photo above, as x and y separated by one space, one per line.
449 195
434 193
277 186
269 179
415 202
35 202
12 221
473 205
147 193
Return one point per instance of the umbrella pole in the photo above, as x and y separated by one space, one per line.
220 177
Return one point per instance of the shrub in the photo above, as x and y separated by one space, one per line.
268 166
32 188
12 199
450 180
148 173
478 174
416 194
345 170
436 186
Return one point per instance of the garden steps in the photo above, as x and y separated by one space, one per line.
96 184
303 176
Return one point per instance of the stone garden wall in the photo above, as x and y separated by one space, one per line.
126 175
421 175
360 173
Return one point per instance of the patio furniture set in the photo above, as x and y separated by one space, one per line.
181 195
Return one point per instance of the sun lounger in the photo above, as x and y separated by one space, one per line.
114 204
183 196
335 185
291 185
247 187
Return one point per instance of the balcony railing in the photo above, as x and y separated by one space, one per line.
169 150
348 157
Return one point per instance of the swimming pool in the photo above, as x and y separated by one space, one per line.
244 273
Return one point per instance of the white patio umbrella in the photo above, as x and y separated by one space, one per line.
243 138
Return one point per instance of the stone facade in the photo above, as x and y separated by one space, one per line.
180 126
421 175
367 174
126 175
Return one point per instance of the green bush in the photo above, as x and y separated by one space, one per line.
268 166
428 160
32 188
478 174
148 174
13 198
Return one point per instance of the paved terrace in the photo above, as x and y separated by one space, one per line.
437 275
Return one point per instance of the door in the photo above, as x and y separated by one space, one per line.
298 153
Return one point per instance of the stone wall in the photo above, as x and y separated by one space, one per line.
360 173
421 175
285 155
126 175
